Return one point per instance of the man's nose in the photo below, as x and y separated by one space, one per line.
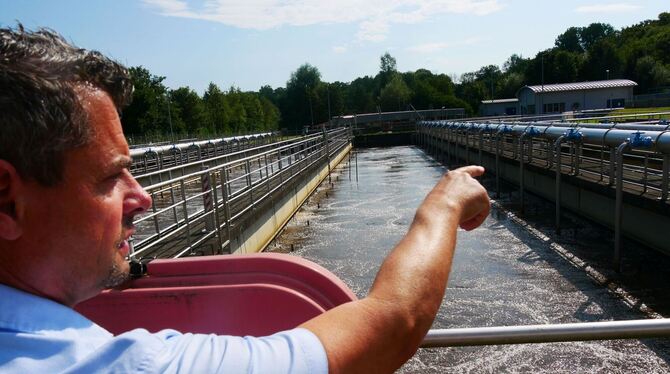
138 201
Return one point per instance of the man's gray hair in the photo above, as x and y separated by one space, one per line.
41 117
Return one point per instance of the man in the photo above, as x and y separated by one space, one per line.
67 202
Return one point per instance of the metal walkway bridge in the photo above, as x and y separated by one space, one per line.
203 190
199 203
629 161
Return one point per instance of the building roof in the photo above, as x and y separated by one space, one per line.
501 101
578 86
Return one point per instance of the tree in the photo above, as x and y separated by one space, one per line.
602 56
593 33
299 97
148 112
570 40
189 110
387 64
217 110
651 74
238 114
395 95
254 110
271 115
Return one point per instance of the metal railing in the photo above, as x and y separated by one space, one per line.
567 332
195 213
150 158
627 157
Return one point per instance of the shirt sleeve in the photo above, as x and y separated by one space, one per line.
292 351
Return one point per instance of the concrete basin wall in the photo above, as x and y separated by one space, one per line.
255 235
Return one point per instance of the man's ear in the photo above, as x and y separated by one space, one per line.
10 184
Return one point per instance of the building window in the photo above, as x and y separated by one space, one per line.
531 109
554 108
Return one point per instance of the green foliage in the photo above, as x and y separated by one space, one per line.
388 64
157 112
298 105
395 95
148 112
570 40
639 52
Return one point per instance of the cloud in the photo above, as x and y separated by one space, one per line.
438 46
374 17
607 8
339 49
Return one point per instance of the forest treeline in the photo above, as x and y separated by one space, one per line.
640 52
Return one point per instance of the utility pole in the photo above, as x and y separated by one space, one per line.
328 94
542 94
170 117
309 99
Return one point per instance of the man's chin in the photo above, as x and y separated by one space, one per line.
118 274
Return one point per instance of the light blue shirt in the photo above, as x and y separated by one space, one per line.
38 335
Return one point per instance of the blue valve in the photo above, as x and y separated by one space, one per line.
573 135
640 141
532 131
505 129
487 128
663 122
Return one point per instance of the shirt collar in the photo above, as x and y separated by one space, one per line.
24 312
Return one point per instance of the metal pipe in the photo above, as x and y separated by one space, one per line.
634 329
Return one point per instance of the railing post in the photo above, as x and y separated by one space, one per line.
665 178
618 214
250 184
206 184
225 191
521 156
498 136
185 208
216 214
612 166
558 162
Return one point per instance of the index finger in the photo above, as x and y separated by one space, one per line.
473 170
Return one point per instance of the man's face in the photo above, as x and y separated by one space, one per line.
82 225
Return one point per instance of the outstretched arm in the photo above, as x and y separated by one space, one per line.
382 331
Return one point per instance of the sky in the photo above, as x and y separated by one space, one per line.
251 43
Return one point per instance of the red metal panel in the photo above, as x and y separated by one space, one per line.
238 295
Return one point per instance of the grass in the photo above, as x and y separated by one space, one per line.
636 113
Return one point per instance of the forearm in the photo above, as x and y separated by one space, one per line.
391 321
414 276
381 331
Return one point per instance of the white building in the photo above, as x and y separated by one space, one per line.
500 107
558 98
562 97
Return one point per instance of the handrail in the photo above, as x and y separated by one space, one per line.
227 164
177 167
181 219
567 332
139 150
